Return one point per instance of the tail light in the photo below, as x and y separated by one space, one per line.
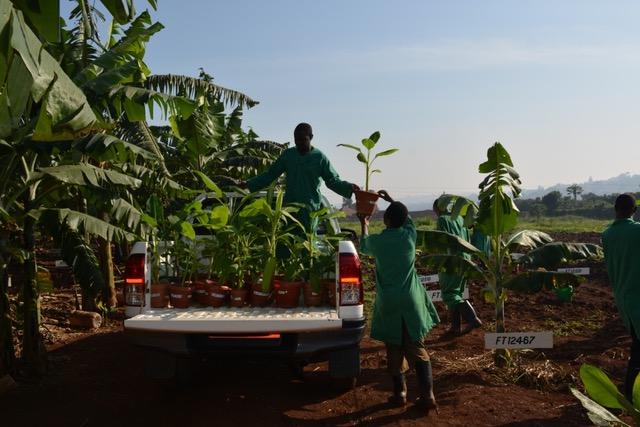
134 276
351 291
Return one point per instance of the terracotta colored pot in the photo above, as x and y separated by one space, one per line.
181 296
217 295
159 295
288 294
200 292
311 297
238 297
366 202
259 298
330 291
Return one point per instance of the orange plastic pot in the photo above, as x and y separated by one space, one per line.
330 291
181 296
311 297
259 298
366 201
288 294
200 291
159 295
238 297
217 295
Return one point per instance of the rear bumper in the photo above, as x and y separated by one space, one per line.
313 345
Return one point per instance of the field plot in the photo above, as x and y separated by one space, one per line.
97 379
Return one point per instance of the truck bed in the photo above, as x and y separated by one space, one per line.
236 320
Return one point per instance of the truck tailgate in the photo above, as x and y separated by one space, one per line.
236 320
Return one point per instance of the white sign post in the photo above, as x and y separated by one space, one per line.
513 340
436 294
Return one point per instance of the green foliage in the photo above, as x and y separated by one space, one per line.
603 394
369 144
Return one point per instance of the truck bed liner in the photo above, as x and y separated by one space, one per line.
236 320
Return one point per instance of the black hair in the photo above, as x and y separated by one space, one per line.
435 205
625 205
303 129
396 214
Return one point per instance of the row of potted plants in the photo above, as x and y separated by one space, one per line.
257 253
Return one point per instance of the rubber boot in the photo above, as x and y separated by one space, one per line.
470 316
399 397
426 400
454 329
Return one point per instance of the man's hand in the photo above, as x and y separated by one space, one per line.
355 187
385 196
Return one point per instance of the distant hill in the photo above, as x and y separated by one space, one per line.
622 183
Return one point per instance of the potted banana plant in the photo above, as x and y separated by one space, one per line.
288 293
276 222
366 199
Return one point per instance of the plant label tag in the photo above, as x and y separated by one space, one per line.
580 271
436 294
542 339
431 278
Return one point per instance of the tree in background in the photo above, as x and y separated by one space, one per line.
574 190
552 201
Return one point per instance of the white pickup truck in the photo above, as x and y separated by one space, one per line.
301 335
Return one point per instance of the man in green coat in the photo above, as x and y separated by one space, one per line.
303 165
621 243
452 286
403 313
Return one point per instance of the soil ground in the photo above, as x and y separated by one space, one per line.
97 378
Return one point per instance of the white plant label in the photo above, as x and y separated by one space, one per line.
580 271
541 339
431 278
436 294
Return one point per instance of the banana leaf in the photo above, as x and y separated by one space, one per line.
534 281
452 264
78 221
441 242
597 413
87 174
552 255
529 239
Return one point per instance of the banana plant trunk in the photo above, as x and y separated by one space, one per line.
33 351
7 352
106 265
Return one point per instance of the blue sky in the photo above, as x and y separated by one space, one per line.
557 82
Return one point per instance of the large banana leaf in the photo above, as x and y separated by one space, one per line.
78 221
552 255
193 87
497 211
529 239
452 264
458 206
87 174
441 242
124 212
104 147
65 112
598 415
534 281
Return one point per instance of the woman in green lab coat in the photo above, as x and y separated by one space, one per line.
403 313
452 286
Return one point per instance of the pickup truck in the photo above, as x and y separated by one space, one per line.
302 335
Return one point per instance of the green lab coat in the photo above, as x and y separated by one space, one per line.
452 286
621 243
399 293
481 242
303 173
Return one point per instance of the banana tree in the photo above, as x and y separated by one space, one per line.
369 144
277 228
496 216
